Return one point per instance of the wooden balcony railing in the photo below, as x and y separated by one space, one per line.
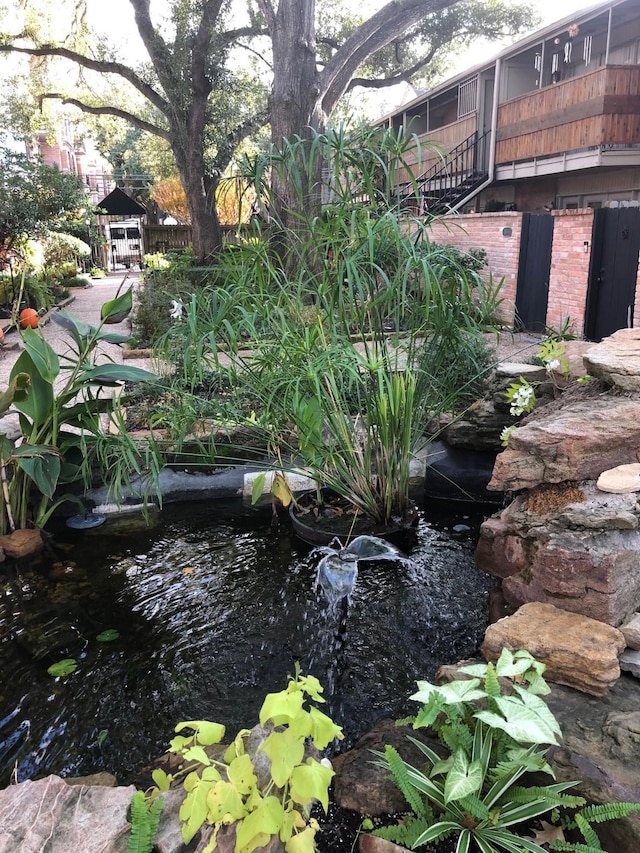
601 107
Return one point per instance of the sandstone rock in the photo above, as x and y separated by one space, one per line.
573 547
600 747
575 442
631 631
630 662
53 816
372 844
578 651
618 481
617 360
21 543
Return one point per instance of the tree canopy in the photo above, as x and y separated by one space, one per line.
34 198
188 89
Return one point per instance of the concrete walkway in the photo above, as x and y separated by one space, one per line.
85 306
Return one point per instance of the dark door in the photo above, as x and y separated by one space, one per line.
534 267
613 271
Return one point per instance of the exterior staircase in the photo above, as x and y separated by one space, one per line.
449 182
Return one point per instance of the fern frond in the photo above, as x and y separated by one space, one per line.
520 794
588 833
491 683
144 823
474 806
572 847
456 735
398 771
405 833
608 811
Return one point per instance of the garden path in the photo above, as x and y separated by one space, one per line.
85 305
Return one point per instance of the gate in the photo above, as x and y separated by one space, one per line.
534 266
613 271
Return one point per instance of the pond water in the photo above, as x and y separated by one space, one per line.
207 612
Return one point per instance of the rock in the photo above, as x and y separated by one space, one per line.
618 481
616 359
631 631
600 748
21 543
101 779
577 441
364 787
575 547
53 816
373 844
577 651
630 662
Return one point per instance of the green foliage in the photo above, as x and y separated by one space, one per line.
63 667
521 397
64 248
58 401
238 789
33 198
145 817
347 338
492 736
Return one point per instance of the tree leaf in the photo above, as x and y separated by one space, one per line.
258 827
225 803
310 781
241 775
284 750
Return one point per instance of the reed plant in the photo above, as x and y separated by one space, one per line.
348 336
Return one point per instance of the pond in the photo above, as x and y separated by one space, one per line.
202 614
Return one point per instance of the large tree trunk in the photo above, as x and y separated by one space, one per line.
293 101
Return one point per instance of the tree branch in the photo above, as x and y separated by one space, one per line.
395 18
403 76
140 123
101 66
266 7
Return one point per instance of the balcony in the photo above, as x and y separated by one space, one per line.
589 112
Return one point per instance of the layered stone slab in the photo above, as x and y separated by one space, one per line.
578 651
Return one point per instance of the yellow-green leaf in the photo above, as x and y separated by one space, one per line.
310 781
193 811
207 733
280 489
280 707
161 779
303 842
241 774
224 803
258 487
258 827
285 751
196 753
323 729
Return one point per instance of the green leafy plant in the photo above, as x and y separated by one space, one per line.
145 817
63 667
493 728
265 789
59 404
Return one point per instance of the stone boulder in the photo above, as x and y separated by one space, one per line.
616 360
59 818
577 441
577 651
569 545
22 543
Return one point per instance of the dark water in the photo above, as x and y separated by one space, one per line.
213 611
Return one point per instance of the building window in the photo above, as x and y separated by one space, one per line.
468 97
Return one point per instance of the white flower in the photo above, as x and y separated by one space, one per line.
554 364
176 309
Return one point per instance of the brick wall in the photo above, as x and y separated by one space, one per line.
569 273
569 268
499 235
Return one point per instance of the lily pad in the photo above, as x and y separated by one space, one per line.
108 635
63 667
